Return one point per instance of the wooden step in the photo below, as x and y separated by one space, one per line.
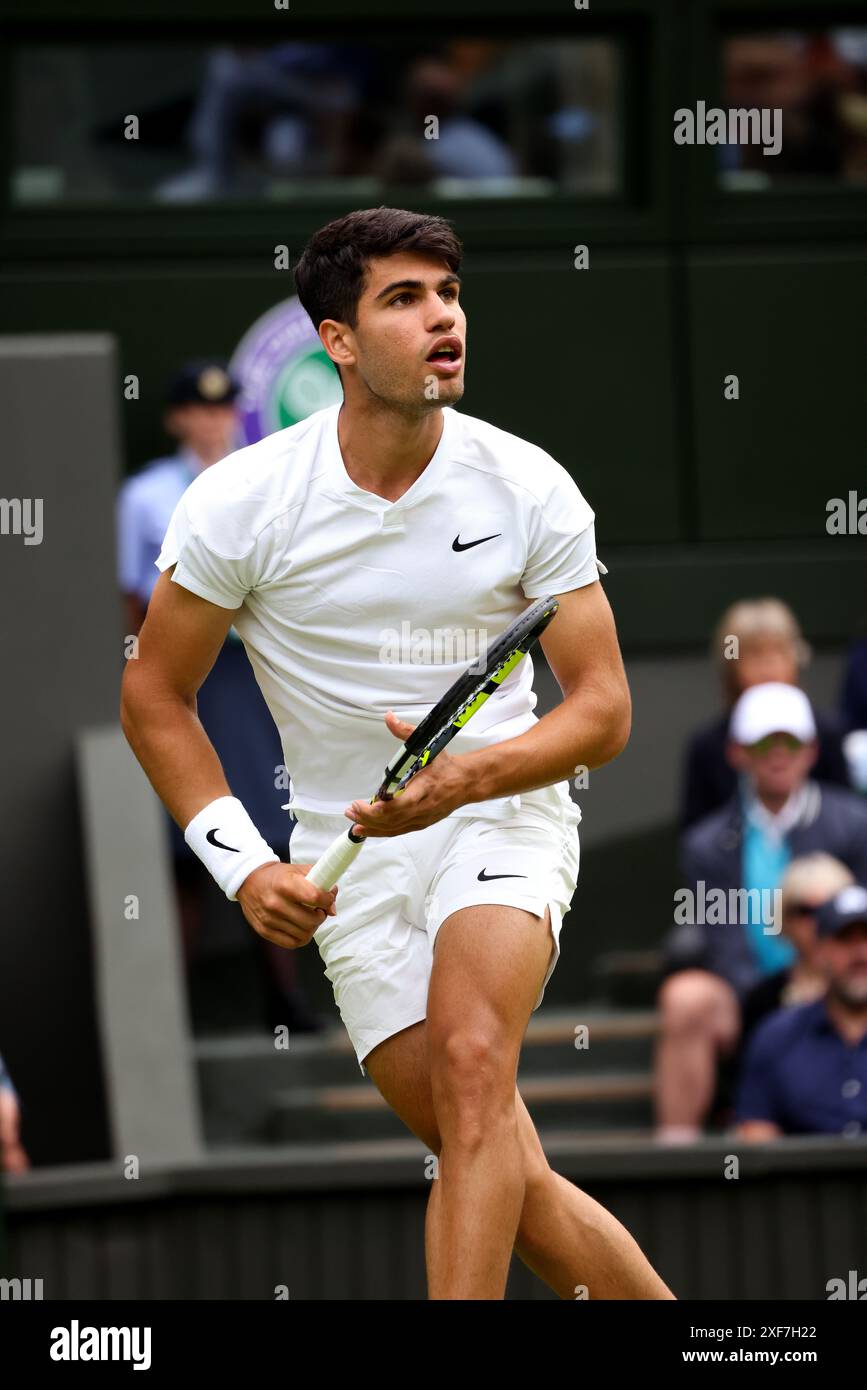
359 1111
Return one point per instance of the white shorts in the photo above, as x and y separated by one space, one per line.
378 949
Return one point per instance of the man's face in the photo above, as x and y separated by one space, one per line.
764 71
799 918
409 342
206 429
777 765
844 958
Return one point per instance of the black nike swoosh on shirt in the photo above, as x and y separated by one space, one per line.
486 878
211 838
457 544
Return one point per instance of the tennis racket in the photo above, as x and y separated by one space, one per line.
460 702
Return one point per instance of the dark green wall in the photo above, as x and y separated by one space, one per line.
617 370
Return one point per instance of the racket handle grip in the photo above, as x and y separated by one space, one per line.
331 865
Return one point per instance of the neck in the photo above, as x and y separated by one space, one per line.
203 458
805 969
773 801
850 1020
385 450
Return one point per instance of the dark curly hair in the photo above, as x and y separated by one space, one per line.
329 277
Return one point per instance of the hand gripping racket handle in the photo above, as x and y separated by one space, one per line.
331 865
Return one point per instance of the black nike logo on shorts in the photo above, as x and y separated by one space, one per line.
211 838
458 544
486 878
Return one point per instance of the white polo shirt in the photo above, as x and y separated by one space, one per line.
351 605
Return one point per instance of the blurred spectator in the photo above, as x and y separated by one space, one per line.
299 97
464 148
13 1158
854 697
744 850
817 80
201 415
807 883
806 1068
854 712
756 640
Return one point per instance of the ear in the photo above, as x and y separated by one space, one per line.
336 338
813 752
737 756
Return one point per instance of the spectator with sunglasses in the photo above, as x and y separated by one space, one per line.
806 1068
778 813
807 885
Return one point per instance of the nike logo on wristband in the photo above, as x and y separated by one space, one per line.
487 878
211 838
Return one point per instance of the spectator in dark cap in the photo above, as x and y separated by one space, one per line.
201 414
806 1068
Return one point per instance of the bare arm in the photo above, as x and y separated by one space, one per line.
13 1157
589 728
591 725
134 612
178 644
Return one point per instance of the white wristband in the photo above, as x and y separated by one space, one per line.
228 843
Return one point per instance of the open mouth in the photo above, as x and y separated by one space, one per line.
446 353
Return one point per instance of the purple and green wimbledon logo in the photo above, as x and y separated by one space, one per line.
285 372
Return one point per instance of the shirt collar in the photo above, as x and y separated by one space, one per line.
341 485
776 826
191 461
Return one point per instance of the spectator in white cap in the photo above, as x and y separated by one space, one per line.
728 910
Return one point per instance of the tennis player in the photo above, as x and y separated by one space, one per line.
365 556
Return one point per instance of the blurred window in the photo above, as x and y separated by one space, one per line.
177 123
818 81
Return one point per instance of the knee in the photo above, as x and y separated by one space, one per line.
691 1002
473 1082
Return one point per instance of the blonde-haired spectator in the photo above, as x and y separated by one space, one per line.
754 642
807 883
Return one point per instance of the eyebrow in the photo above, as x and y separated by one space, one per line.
415 285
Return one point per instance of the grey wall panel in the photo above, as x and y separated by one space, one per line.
139 968
61 627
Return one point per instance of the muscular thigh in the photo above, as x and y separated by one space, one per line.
488 967
399 1068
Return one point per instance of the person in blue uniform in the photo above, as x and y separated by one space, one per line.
201 416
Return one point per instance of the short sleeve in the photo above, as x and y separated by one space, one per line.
199 566
561 553
757 1093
